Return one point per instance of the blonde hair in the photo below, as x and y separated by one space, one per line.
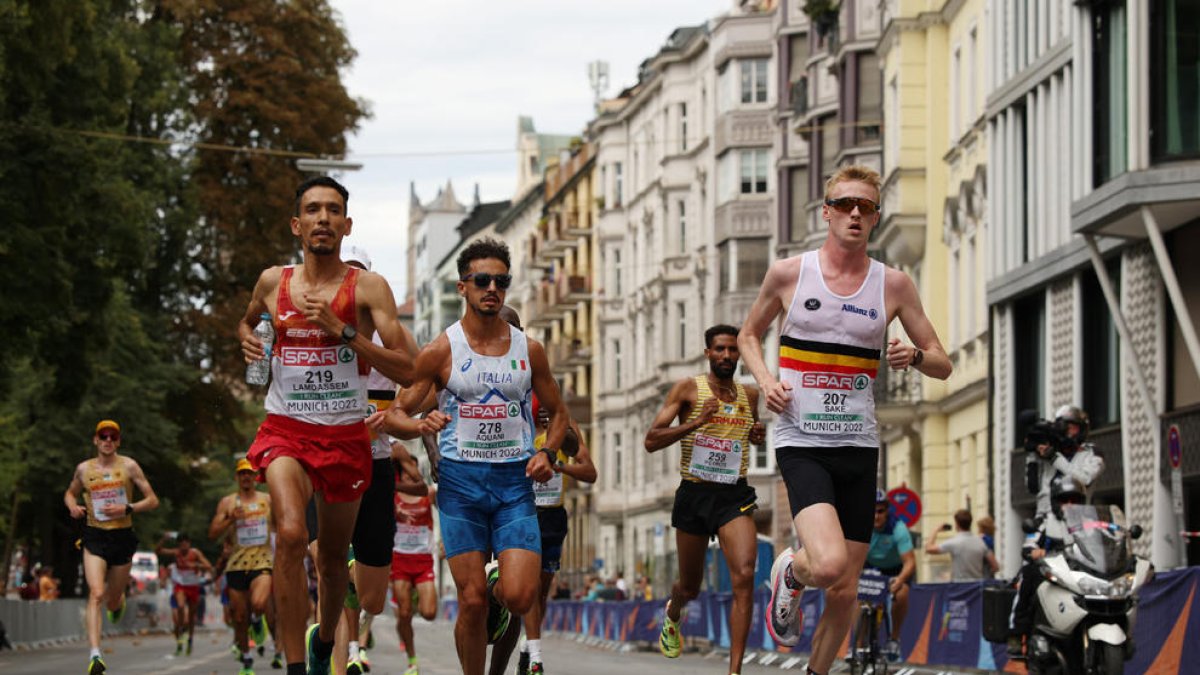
853 173
987 525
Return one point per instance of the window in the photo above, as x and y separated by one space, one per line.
753 258
753 80
616 272
617 459
760 457
1109 93
683 232
723 265
1174 79
1029 348
870 99
798 217
616 346
1101 351
618 185
683 127
681 312
829 144
754 171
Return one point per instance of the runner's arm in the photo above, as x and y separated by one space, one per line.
149 500
549 396
71 496
758 432
767 306
662 434
580 467
933 361
908 566
252 349
399 420
222 519
395 358
204 563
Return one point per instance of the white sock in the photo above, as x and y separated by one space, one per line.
353 650
95 653
535 650
246 656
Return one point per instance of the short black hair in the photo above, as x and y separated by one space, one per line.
481 249
322 181
719 329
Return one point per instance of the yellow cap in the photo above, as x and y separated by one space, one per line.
107 424
244 464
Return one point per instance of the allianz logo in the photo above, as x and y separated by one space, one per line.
853 309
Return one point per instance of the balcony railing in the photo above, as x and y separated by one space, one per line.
573 288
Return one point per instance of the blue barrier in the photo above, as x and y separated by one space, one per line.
944 625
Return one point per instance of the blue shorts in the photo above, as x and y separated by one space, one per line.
486 507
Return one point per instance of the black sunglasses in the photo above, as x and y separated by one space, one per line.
109 437
483 280
848 204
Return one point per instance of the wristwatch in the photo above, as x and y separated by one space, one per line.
552 455
348 333
129 509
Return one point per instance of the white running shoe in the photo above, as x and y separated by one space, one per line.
783 609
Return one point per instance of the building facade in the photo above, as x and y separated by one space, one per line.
432 233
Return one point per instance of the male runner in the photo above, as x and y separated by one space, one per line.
573 460
187 575
718 420
412 559
245 518
314 439
484 370
106 483
837 304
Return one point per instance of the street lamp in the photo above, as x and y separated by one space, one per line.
325 165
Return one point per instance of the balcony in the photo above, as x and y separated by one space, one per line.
611 310
560 179
547 308
565 356
579 224
743 218
742 128
574 288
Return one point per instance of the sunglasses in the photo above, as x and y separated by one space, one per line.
883 510
847 204
483 280
109 437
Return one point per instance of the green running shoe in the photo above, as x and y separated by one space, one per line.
247 667
277 662
536 668
316 665
354 668
189 647
115 616
498 615
96 666
258 632
668 639
179 647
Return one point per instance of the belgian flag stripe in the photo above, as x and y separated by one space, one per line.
807 367
829 359
829 348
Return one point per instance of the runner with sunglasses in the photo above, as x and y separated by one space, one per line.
106 483
313 441
484 372
837 304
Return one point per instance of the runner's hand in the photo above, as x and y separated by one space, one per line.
895 585
758 433
899 355
779 395
433 422
707 411
78 511
318 311
252 348
113 510
539 468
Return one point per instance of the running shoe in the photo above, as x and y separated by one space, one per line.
114 615
523 663
179 647
237 653
258 632
96 666
277 662
247 667
362 658
316 666
412 670
498 615
668 639
189 647
783 609
535 668
354 668
891 651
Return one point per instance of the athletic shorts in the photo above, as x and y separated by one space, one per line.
191 592
415 568
701 508
336 458
240 580
843 477
892 572
375 528
552 521
486 507
116 547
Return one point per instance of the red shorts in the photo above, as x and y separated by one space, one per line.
337 458
416 568
190 593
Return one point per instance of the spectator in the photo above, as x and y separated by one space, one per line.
47 584
970 559
621 585
595 590
644 589
987 531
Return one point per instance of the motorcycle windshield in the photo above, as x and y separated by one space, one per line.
1098 537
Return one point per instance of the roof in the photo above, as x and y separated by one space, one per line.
507 218
480 217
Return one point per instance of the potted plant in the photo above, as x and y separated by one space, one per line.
823 14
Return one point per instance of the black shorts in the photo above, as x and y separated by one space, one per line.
552 521
375 528
239 580
116 547
843 477
702 508
891 572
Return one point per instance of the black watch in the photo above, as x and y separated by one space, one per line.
552 455
349 333
129 509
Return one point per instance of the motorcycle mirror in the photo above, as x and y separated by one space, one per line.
1135 532
1028 526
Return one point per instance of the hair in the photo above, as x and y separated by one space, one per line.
855 173
511 316
481 249
182 537
322 181
962 518
719 329
987 525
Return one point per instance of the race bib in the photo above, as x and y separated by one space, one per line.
320 380
549 493
490 432
833 403
103 494
252 531
717 460
412 539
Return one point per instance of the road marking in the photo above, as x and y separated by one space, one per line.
790 662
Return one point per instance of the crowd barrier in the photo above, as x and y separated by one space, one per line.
32 623
944 625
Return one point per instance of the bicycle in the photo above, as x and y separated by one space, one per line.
866 655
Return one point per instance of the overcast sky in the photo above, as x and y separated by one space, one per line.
452 77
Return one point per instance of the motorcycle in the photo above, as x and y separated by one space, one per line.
1086 609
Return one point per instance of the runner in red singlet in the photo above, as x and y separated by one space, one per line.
190 566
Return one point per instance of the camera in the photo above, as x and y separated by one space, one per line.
1045 432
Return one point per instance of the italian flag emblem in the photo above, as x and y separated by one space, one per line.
518 364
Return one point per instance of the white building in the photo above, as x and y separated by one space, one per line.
432 233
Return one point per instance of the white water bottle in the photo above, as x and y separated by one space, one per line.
259 372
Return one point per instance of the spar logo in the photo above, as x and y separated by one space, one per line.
489 411
345 354
834 381
308 356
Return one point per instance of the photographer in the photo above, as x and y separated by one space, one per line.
1062 467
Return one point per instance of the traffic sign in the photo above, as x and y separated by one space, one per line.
1174 446
905 504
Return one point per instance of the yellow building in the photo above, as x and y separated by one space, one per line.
935 434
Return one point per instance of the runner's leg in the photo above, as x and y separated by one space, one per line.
740 544
470 629
402 593
335 526
239 612
95 570
427 600
691 549
828 561
116 583
290 490
520 579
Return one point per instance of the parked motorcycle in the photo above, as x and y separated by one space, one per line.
1086 609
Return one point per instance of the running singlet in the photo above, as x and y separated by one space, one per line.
103 486
251 536
829 351
414 537
185 570
487 399
718 452
381 393
315 377
548 495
